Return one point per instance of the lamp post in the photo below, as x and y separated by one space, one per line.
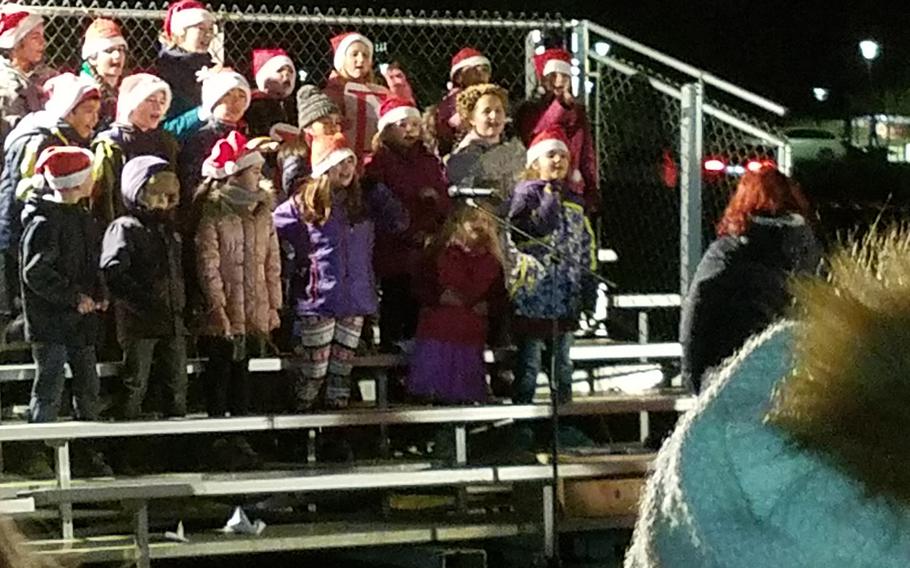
870 50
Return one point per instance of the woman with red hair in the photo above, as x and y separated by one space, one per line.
742 282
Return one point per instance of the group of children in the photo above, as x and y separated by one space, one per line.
223 220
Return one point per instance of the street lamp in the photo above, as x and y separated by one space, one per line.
870 50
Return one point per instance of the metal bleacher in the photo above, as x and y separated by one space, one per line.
135 494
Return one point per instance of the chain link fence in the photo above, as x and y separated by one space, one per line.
422 43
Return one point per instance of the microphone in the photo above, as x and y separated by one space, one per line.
456 191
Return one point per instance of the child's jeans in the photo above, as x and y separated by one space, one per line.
169 357
47 390
528 366
226 374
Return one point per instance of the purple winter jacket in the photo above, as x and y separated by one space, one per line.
329 268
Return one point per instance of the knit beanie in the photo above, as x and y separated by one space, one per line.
15 23
101 35
313 104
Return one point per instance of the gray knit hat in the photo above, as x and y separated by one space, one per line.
312 104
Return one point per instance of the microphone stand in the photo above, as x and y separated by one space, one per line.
553 380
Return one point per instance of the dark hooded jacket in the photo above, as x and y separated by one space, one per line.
178 68
141 261
740 287
59 262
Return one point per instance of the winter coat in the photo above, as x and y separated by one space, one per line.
266 111
141 261
476 276
550 284
20 93
741 286
23 145
58 262
330 265
538 115
115 147
178 68
407 174
195 151
477 163
731 490
359 105
239 268
447 121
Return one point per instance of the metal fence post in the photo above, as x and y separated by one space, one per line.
580 46
690 151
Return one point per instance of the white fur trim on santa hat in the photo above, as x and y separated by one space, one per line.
271 68
216 85
332 159
96 46
557 66
396 114
183 19
475 61
127 102
344 44
541 148
11 37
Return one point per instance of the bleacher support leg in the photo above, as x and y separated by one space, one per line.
64 481
141 522
549 522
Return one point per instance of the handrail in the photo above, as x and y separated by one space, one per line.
690 70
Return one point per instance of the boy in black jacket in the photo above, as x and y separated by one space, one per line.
141 261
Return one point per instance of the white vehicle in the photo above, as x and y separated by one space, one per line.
814 144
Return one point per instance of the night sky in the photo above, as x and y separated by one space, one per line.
780 49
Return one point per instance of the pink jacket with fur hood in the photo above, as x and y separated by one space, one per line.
239 268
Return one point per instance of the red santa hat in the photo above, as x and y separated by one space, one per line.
15 23
342 42
229 156
283 132
64 167
328 151
185 14
394 109
136 88
267 62
553 60
217 84
467 57
67 91
101 35
547 141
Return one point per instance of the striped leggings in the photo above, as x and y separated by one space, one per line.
326 347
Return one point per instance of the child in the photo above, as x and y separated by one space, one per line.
351 87
141 261
557 108
23 70
141 106
483 158
103 60
326 223
552 215
464 283
239 270
61 284
188 32
417 179
469 67
317 116
225 99
271 102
